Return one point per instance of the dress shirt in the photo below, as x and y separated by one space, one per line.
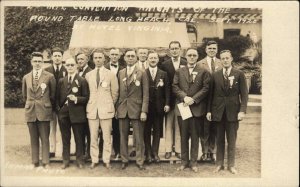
130 69
209 62
153 72
176 63
229 70
191 68
37 71
72 77
113 68
83 69
143 63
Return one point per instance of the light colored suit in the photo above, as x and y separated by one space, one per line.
100 110
204 64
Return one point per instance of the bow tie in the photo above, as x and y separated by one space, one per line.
114 65
80 69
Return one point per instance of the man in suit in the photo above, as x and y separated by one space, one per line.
83 68
172 129
227 106
191 86
132 107
114 66
159 104
38 89
72 95
209 130
104 89
59 71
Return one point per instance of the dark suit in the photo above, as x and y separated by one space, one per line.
72 114
225 103
38 111
159 96
133 100
197 87
86 131
172 128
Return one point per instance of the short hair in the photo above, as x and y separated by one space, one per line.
114 48
174 42
130 49
137 50
191 48
211 42
226 51
97 51
57 49
36 54
80 53
151 52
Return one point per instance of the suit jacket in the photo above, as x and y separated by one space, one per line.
62 72
39 102
233 100
107 66
159 91
79 88
203 64
198 89
168 67
134 94
104 96
88 69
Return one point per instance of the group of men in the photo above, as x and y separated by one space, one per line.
112 97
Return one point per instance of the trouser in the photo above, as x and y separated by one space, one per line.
172 132
55 136
230 128
106 128
154 121
86 139
208 135
138 129
115 137
189 128
39 130
65 128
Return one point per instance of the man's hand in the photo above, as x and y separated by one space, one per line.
167 108
241 115
188 101
208 116
143 116
72 98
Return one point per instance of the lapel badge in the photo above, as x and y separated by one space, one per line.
104 84
74 89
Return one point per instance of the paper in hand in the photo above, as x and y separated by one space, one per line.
185 111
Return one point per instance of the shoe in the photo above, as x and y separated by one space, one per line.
181 168
149 159
218 169
87 157
178 155
35 165
132 154
232 170
195 169
107 165
203 157
141 167
117 156
93 165
168 155
51 155
80 166
213 158
156 159
65 166
124 166
46 166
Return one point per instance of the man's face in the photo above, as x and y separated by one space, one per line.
57 58
114 55
191 56
98 59
37 63
71 66
130 58
153 59
142 54
211 50
174 50
82 60
226 59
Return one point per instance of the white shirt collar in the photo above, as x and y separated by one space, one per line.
59 66
229 70
131 69
72 76
153 69
145 64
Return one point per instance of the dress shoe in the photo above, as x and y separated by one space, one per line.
141 167
132 154
213 157
156 159
149 159
80 166
218 169
195 169
117 156
124 165
65 166
51 155
35 165
93 165
203 157
178 155
181 168
46 166
107 165
168 155
232 170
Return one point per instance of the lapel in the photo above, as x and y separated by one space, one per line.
171 65
122 75
41 80
157 77
186 74
30 77
206 65
131 77
221 79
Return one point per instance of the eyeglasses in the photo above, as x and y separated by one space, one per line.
128 56
191 55
72 65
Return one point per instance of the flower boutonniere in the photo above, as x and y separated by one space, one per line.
194 75
231 78
43 86
137 82
160 83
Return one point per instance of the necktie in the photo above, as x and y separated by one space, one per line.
98 76
226 78
69 82
152 74
57 72
36 76
212 65
143 65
